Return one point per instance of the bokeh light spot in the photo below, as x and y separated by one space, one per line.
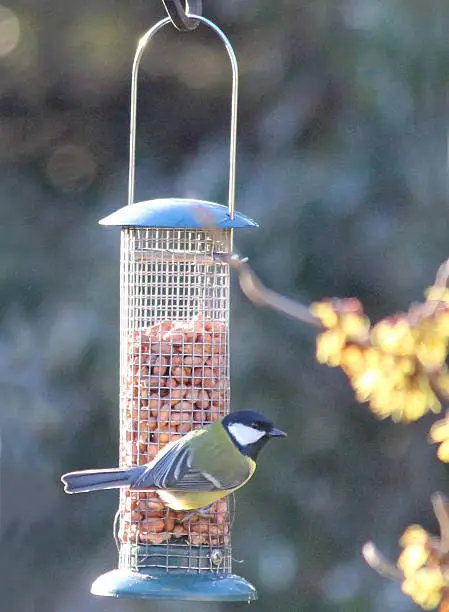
9 31
278 565
71 167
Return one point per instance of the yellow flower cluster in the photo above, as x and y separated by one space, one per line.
396 365
420 561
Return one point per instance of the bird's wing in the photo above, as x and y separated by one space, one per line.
174 471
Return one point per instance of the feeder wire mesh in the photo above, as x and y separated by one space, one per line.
174 372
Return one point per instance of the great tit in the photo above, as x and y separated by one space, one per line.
194 471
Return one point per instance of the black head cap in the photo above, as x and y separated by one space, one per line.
250 431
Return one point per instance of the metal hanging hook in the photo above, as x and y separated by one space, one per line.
234 105
180 17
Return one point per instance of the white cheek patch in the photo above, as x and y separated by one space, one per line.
245 435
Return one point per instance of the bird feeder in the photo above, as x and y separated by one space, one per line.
174 376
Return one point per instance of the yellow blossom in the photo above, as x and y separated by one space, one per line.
392 392
425 587
412 558
443 452
441 380
373 357
414 534
440 430
417 404
422 383
352 359
439 433
384 410
329 346
365 383
407 407
431 349
394 336
407 365
442 322
354 325
324 311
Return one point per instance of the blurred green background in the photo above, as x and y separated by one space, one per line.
342 158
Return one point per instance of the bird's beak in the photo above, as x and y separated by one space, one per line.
277 433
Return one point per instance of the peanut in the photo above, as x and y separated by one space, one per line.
153 401
209 381
198 417
200 528
155 525
163 415
185 410
197 376
206 342
185 427
152 451
176 394
155 506
159 363
191 395
178 531
202 399
136 516
170 523
162 436
214 412
194 360
178 373
175 436
148 537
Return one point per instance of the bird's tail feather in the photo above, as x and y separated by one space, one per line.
94 480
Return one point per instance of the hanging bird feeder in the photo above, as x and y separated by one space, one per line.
174 373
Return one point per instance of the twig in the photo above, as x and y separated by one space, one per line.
442 275
252 287
260 295
441 509
380 564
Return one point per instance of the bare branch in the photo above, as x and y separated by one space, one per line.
380 564
442 275
440 505
260 295
252 287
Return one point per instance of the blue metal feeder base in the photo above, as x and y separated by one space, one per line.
160 584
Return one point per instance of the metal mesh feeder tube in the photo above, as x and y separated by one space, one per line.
174 377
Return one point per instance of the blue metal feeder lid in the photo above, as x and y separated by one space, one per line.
176 212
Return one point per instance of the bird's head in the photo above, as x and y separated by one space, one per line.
250 431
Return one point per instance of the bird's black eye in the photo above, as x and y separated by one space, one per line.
256 425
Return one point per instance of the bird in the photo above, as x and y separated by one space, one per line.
195 471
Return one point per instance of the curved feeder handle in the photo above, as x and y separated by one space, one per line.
180 17
234 103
